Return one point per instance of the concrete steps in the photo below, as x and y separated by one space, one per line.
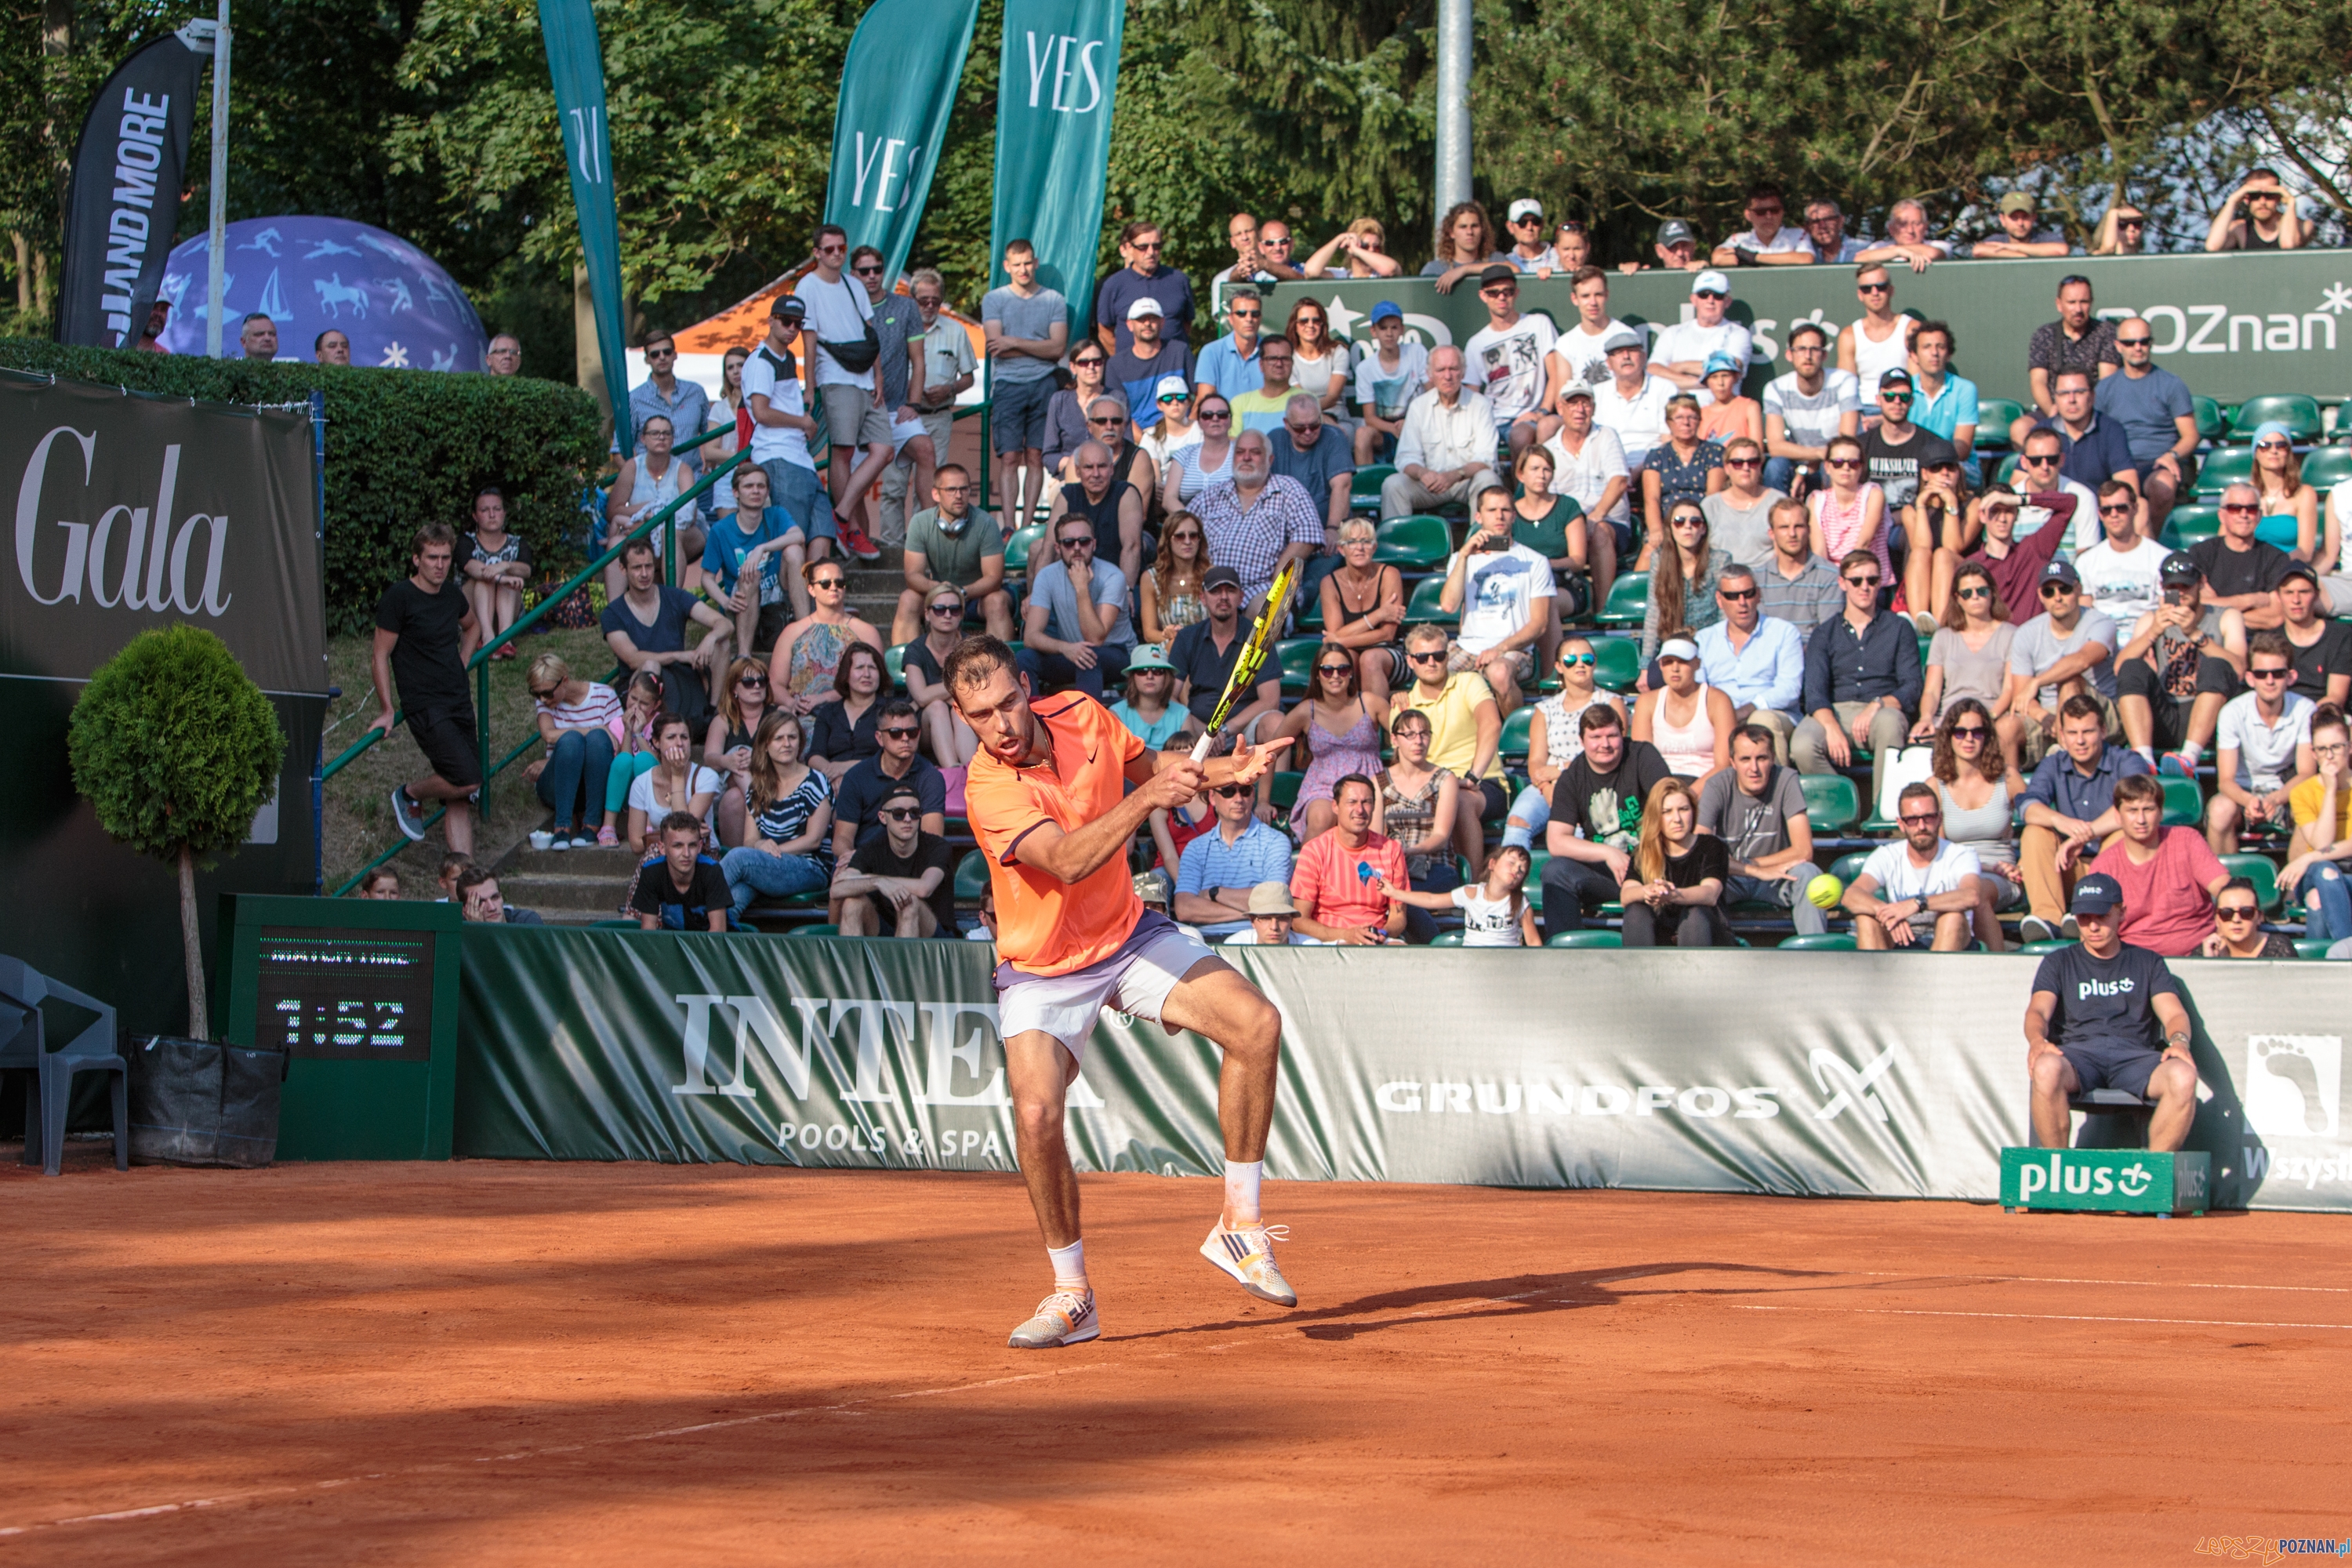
568 887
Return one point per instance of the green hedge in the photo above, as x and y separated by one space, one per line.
403 447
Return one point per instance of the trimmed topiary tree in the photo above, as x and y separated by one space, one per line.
176 748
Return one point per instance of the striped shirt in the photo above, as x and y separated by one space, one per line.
1804 603
1261 854
785 818
1251 539
600 709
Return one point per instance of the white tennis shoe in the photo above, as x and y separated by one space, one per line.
1063 1318
1246 1252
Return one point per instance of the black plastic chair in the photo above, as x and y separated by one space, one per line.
2120 1102
23 1047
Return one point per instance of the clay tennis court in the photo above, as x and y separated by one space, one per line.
539 1364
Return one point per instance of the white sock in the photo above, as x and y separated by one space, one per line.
1069 1266
1242 1180
2147 754
2192 751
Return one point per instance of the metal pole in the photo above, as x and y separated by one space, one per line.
1452 174
217 247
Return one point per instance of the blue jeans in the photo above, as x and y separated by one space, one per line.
1778 472
754 873
802 495
2327 904
1534 808
572 782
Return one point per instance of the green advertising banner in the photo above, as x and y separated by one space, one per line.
1821 1074
575 63
897 88
2231 326
1055 87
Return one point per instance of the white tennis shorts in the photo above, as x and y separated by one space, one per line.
1136 979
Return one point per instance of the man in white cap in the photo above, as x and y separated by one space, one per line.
1681 352
1768 241
1271 912
1136 370
1528 251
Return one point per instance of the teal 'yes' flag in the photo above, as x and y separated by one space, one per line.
576 63
897 88
1053 139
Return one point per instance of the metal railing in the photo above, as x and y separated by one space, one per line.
819 454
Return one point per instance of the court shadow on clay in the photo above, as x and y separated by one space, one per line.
1520 1295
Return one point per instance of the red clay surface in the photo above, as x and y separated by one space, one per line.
583 1364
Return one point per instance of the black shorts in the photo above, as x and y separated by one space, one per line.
2104 1064
1495 805
447 739
773 620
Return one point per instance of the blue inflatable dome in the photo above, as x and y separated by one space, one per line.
400 310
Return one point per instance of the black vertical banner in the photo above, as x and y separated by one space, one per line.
125 202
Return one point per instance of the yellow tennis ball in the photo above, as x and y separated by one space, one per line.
1824 892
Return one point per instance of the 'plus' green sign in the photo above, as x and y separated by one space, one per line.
2129 1181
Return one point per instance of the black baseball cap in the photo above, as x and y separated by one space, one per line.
2295 568
2061 572
2179 570
1220 577
2098 894
791 305
1499 273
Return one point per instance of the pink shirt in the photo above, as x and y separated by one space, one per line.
1326 872
2167 908
1842 528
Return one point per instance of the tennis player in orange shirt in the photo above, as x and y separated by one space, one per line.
1048 799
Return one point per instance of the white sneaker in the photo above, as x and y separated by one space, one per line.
1246 1252
1063 1318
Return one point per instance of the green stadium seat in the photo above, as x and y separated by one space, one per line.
1423 604
1587 939
971 877
1516 729
2004 470
1616 663
616 923
1831 802
1446 938
2038 948
2324 467
2188 524
828 929
1016 549
1846 868
1828 942
1307 610
894 659
2313 946
2258 870
2297 411
1994 416
1283 789
1296 655
1413 543
2184 803
1537 860
2224 467
1629 601
2212 424
1364 489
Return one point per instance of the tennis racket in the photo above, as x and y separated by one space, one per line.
1252 659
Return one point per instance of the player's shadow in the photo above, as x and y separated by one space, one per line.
1519 1296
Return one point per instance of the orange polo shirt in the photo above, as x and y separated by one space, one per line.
1044 925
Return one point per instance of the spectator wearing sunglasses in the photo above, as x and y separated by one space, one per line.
2241 573
1972 782
1229 366
2258 215
1681 352
1529 253
1766 241
1919 892
1066 417
901 881
1861 680
2237 925
1140 247
1074 627
1825 228
2157 412
2065 651
1510 360
1217 872
2169 876
2040 487
2178 667
2120 571
857 799
2262 748
2122 231
1554 739
684 404
1879 339
1753 658
1136 370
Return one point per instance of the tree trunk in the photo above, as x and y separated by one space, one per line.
199 1019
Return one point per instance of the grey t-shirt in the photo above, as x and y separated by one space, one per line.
2038 647
1032 317
1109 586
1745 536
1751 826
1314 469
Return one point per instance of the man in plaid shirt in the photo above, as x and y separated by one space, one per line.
1257 520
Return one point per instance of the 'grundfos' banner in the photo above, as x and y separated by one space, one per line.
134 512
2232 326
1801 1073
125 204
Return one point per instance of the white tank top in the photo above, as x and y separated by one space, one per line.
1689 749
1873 360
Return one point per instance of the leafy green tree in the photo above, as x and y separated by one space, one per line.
176 748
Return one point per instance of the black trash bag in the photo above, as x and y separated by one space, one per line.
197 1103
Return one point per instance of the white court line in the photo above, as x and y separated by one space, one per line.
2037 1317
2149 1284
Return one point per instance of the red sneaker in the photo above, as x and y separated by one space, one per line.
854 539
